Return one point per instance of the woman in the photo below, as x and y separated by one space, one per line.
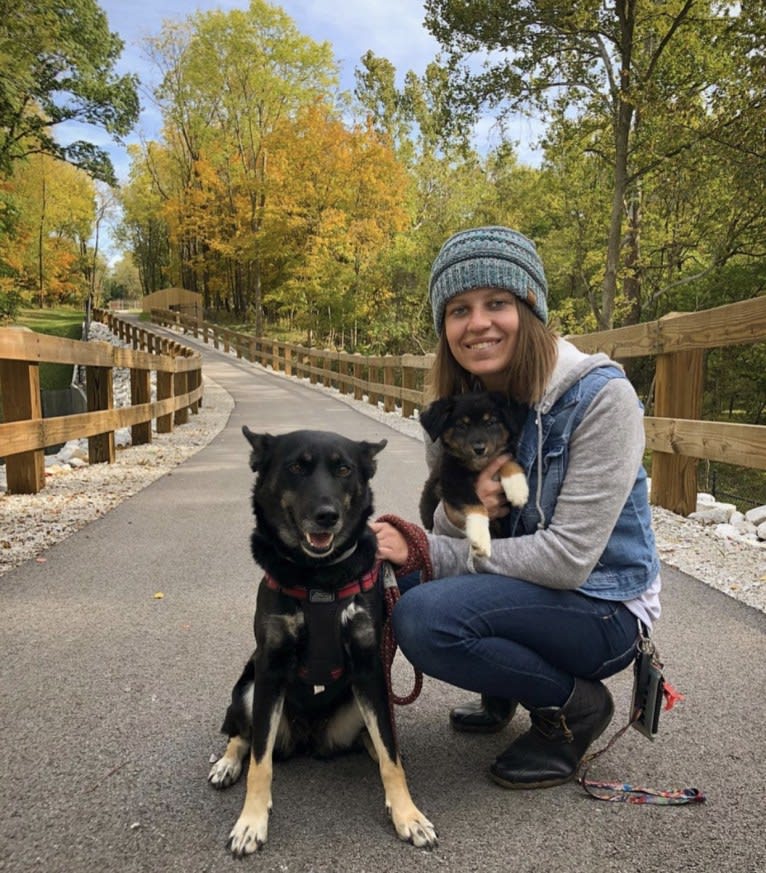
556 607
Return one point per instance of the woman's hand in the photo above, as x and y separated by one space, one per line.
391 544
489 489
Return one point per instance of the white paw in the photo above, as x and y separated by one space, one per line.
224 772
516 489
248 835
477 532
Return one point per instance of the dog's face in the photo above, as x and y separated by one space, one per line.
473 427
312 490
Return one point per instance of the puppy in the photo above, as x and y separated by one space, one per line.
474 429
316 681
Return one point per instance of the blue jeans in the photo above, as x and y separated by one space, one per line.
507 638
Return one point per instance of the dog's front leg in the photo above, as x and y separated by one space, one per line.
514 482
369 686
252 827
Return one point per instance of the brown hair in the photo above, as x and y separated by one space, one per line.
529 370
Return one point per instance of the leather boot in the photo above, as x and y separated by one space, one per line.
485 716
550 752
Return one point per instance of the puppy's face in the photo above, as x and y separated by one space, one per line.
473 427
312 488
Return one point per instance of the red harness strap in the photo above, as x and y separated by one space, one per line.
321 595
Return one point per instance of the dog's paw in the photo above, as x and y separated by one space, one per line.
516 489
224 772
413 827
248 835
477 532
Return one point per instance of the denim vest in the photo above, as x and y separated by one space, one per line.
629 563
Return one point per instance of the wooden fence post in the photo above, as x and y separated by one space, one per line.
164 392
677 394
140 392
180 386
389 402
99 392
20 389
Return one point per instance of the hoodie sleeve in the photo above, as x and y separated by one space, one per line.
605 454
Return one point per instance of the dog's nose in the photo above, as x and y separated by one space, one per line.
479 448
326 516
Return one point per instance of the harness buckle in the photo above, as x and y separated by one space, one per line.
317 595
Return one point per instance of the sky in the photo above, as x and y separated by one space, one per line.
390 28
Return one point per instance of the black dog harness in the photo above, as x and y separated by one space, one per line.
322 665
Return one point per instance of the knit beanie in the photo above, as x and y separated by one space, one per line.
488 257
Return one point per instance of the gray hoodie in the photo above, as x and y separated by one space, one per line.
605 454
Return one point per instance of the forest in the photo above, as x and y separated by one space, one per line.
302 211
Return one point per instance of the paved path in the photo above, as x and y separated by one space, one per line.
111 702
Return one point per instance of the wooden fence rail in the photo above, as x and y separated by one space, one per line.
25 433
675 434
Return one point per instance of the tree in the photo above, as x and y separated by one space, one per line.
57 64
228 80
634 78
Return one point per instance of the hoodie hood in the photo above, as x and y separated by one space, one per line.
571 365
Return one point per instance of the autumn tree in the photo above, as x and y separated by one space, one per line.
57 64
228 80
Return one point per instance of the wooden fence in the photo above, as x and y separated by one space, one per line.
674 433
25 433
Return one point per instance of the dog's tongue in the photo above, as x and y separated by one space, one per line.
320 541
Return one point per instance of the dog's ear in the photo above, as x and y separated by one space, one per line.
367 452
435 416
261 444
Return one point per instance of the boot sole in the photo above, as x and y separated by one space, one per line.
523 786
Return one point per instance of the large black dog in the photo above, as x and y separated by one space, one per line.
474 428
316 680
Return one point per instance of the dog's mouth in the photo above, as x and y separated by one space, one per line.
318 543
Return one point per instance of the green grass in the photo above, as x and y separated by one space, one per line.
62 321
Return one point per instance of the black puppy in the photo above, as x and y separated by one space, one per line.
316 679
474 429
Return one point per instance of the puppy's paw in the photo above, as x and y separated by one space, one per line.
248 835
516 489
224 772
477 533
413 827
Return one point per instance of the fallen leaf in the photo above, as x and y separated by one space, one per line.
159 595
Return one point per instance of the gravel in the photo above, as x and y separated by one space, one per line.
77 494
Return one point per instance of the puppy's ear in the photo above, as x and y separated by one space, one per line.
261 444
367 452
435 416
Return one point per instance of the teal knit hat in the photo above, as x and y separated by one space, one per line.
488 257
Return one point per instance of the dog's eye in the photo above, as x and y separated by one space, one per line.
343 470
296 468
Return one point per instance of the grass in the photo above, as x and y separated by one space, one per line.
62 321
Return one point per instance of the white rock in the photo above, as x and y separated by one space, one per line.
757 515
704 501
727 531
718 514
761 531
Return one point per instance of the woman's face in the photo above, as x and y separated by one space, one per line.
481 327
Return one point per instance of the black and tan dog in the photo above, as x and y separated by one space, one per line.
316 680
474 429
